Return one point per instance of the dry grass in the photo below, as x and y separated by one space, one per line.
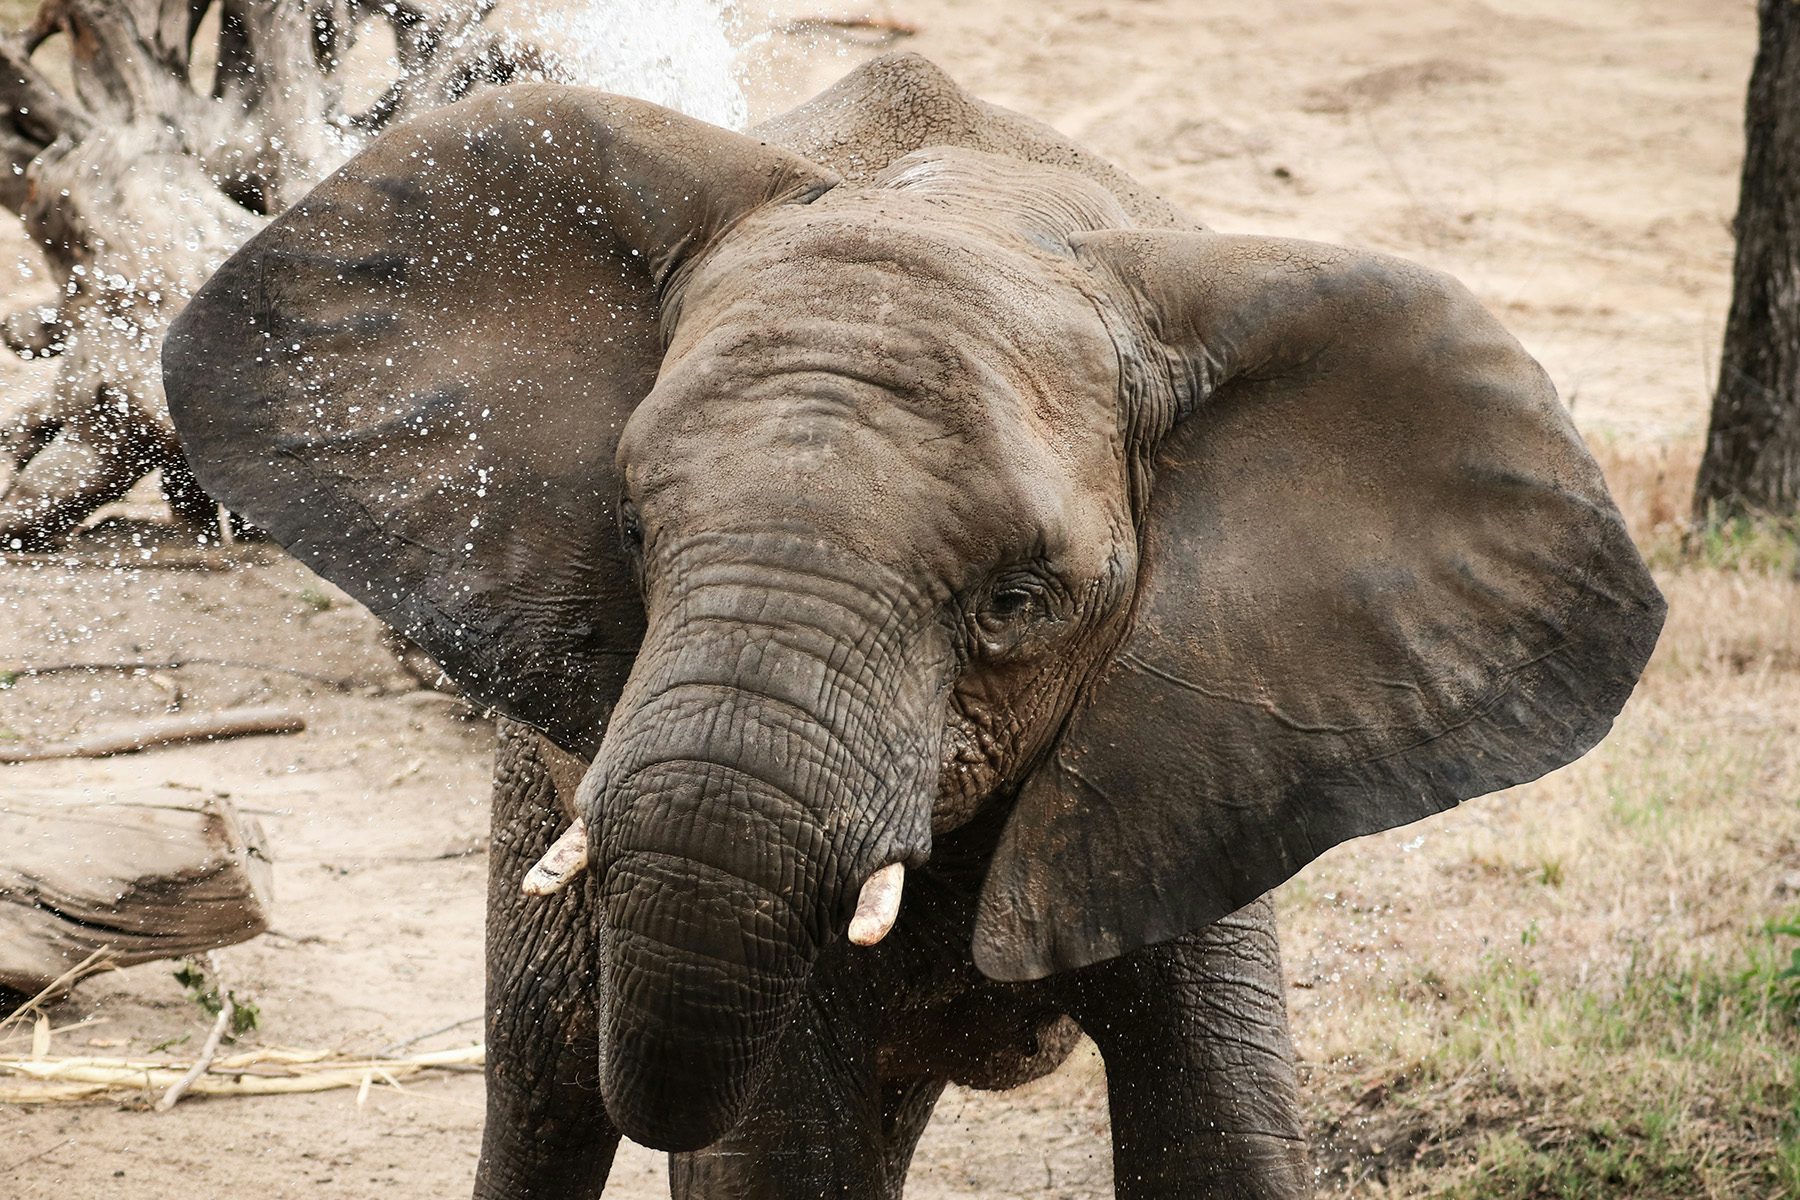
1588 986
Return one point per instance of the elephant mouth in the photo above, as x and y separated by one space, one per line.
877 903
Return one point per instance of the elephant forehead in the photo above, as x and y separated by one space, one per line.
888 475
1006 199
983 335
881 371
873 467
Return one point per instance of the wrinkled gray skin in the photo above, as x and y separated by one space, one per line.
911 488
1194 1032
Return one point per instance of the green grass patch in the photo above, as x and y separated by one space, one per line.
1760 544
1601 1164
1657 781
1673 1080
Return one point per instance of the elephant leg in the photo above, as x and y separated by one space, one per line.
905 1111
547 1132
1199 1064
822 1128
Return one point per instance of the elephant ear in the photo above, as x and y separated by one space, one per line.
415 378
1378 575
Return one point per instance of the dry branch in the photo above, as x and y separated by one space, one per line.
35 1155
415 1039
96 962
263 1072
164 731
140 667
162 876
885 29
214 1037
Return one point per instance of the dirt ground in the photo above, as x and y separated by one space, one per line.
1574 161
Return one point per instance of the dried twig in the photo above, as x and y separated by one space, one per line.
59 1030
133 668
269 1071
169 688
13 1166
93 964
888 29
415 1039
164 731
211 1048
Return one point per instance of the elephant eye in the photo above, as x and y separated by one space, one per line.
1011 603
631 526
1007 612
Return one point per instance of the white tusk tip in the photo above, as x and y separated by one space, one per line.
878 905
561 863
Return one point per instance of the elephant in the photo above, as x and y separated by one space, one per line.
932 590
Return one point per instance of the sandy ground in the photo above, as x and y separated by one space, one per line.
1573 160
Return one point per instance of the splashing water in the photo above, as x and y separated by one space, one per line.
676 53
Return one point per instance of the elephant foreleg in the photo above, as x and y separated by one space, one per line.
1199 1064
905 1111
547 1132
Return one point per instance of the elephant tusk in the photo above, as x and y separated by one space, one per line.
561 863
878 905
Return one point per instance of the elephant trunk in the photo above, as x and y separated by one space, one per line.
775 749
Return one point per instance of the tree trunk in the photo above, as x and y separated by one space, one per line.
144 173
1752 460
161 875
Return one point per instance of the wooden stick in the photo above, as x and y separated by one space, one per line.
211 1048
265 1072
59 1030
95 962
164 731
29 1158
396 1047
342 685
890 28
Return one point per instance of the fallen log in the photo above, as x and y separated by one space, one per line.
158 875
163 731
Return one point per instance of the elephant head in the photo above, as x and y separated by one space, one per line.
824 515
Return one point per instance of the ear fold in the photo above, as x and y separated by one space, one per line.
415 378
1379 574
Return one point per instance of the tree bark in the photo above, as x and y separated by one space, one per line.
161 875
1752 460
142 176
